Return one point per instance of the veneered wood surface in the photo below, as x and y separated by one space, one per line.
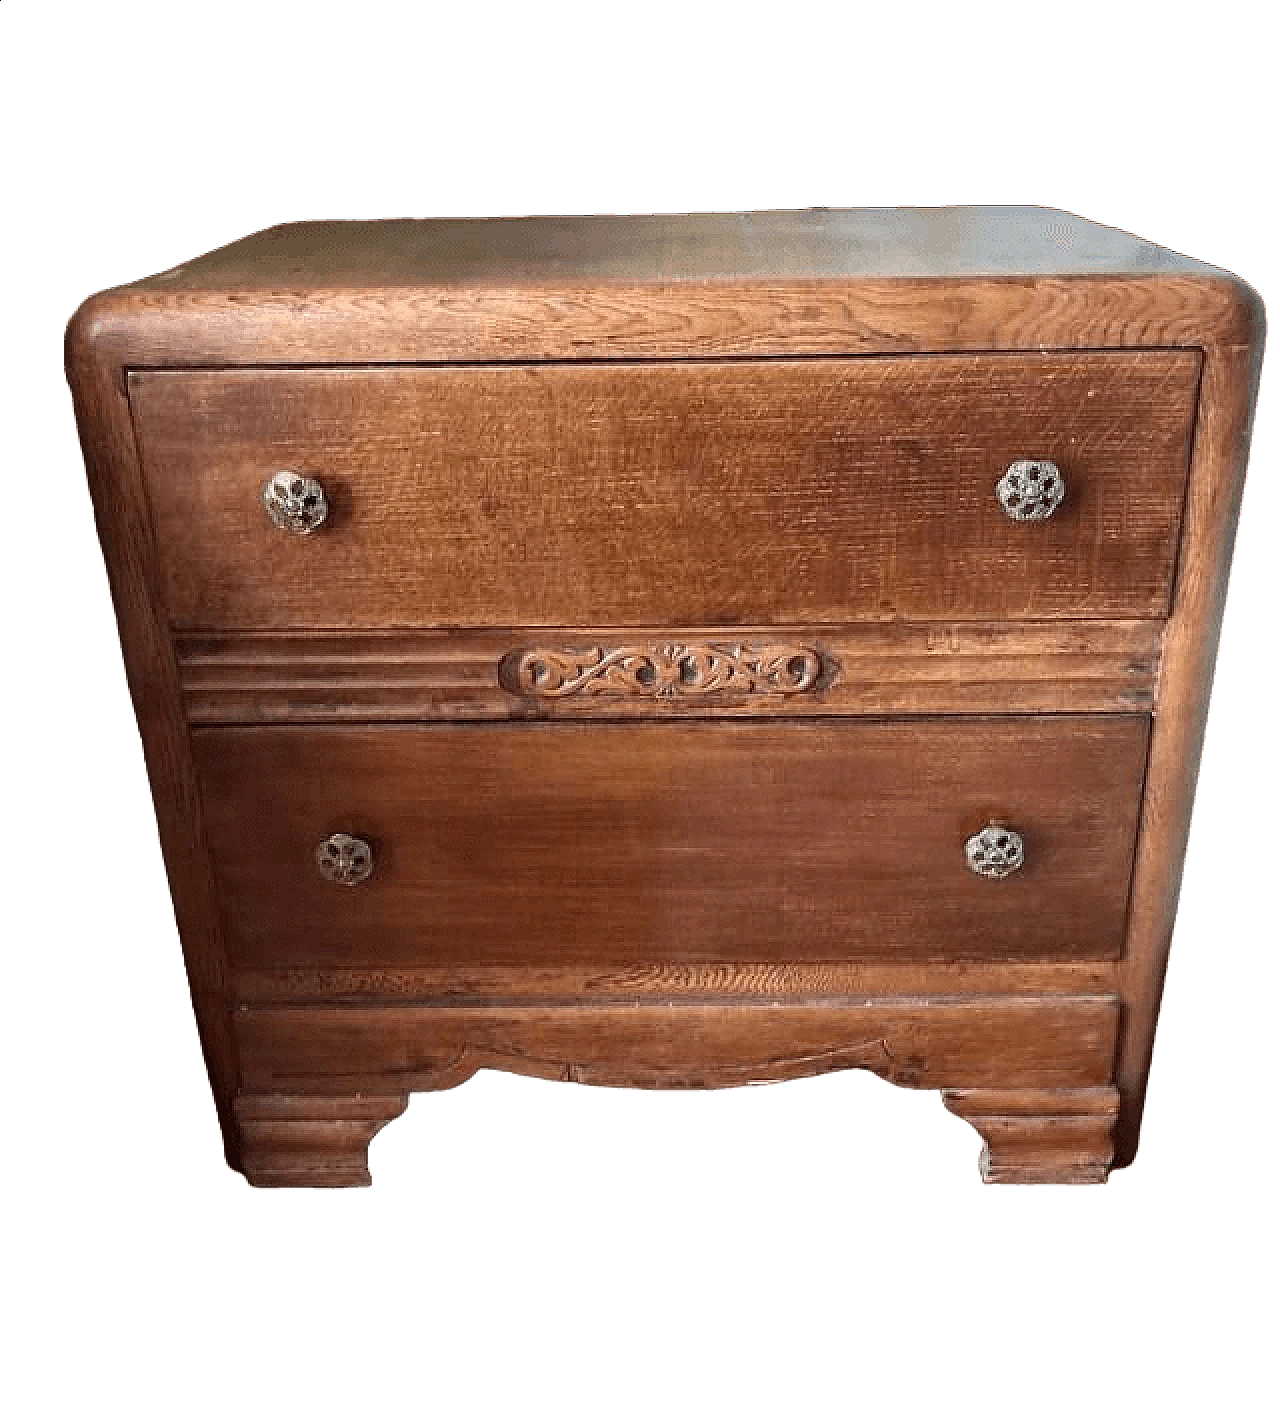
572 495
867 669
626 843
1010 1043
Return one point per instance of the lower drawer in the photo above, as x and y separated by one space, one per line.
617 843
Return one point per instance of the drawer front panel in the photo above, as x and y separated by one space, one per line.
569 844
686 494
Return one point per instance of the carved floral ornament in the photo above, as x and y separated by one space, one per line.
667 671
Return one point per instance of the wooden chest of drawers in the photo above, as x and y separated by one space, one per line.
674 651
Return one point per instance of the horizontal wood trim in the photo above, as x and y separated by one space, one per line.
867 669
667 982
283 1109
1006 1043
145 327
1005 1104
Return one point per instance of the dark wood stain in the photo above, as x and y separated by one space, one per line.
725 434
792 492
580 844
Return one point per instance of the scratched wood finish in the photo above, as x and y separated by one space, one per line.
872 669
787 492
629 843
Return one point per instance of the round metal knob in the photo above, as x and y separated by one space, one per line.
994 852
294 503
345 859
1031 491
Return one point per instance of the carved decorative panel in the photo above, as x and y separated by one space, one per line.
667 671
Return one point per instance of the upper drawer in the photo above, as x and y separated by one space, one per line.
765 492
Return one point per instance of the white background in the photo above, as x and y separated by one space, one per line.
818 1239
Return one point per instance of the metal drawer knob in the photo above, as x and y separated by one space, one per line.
345 859
994 852
1031 491
295 503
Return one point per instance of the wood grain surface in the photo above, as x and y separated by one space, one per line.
864 669
321 1082
1191 647
570 495
710 904
128 549
141 328
311 1141
821 282
1060 1134
629 843
678 982
1006 1043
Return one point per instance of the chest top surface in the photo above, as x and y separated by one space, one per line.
764 246
695 286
